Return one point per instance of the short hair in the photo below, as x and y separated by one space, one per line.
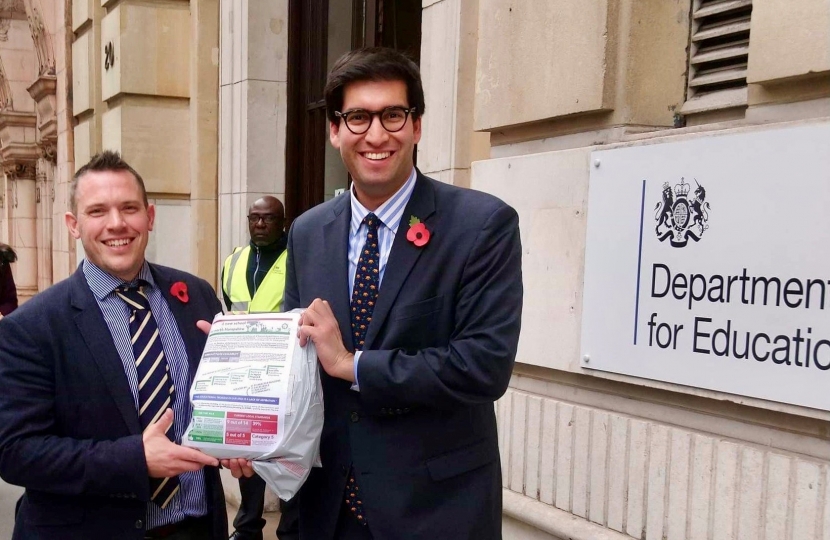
108 160
373 64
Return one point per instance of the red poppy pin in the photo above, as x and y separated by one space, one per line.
418 233
179 290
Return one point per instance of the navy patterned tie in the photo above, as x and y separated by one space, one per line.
155 384
364 296
366 283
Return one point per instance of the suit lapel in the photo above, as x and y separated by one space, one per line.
335 273
403 256
191 335
93 329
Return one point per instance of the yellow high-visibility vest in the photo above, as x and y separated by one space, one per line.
268 297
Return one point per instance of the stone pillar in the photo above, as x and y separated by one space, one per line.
43 93
43 199
63 245
448 68
23 228
253 101
204 149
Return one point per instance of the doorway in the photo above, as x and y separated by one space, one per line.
320 31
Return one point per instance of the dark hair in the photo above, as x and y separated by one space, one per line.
7 254
107 160
373 64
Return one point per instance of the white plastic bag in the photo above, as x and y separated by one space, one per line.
257 395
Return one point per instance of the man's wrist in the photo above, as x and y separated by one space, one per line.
346 366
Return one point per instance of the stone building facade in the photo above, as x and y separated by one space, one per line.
36 149
518 96
81 76
217 102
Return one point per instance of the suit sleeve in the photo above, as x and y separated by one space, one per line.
32 455
225 296
291 295
475 366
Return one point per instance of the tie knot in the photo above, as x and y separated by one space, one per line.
371 221
134 296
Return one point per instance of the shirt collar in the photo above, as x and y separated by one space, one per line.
103 283
390 212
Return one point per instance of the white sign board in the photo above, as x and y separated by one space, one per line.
708 264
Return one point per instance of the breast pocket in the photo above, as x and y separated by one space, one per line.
420 324
422 308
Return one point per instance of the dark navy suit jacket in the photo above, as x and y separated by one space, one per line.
69 430
421 433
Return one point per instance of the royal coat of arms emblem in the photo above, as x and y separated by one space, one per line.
680 217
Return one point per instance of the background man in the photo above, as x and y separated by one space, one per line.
95 375
253 276
253 280
414 298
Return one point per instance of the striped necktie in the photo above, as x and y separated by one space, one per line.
364 296
155 384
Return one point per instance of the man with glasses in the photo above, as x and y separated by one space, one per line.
253 276
253 280
413 292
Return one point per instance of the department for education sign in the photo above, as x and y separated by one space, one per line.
708 263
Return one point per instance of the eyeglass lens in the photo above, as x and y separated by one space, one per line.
267 218
391 118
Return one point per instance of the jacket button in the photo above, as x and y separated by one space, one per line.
398 411
354 416
139 524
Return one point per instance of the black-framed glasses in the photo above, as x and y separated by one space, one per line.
268 219
358 121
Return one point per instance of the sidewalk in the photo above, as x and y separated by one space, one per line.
231 486
271 519
9 495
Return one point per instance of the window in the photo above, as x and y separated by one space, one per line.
718 54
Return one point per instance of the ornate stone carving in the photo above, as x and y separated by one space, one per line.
24 171
48 150
5 24
42 39
43 91
18 133
5 91
12 7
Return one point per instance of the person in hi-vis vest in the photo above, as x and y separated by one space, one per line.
253 276
253 279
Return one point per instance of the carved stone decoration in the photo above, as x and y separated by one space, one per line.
12 7
22 171
5 90
43 91
18 135
41 38
49 151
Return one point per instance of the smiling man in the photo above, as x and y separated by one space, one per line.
95 373
413 293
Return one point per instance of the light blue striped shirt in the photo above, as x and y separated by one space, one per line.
390 214
191 500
